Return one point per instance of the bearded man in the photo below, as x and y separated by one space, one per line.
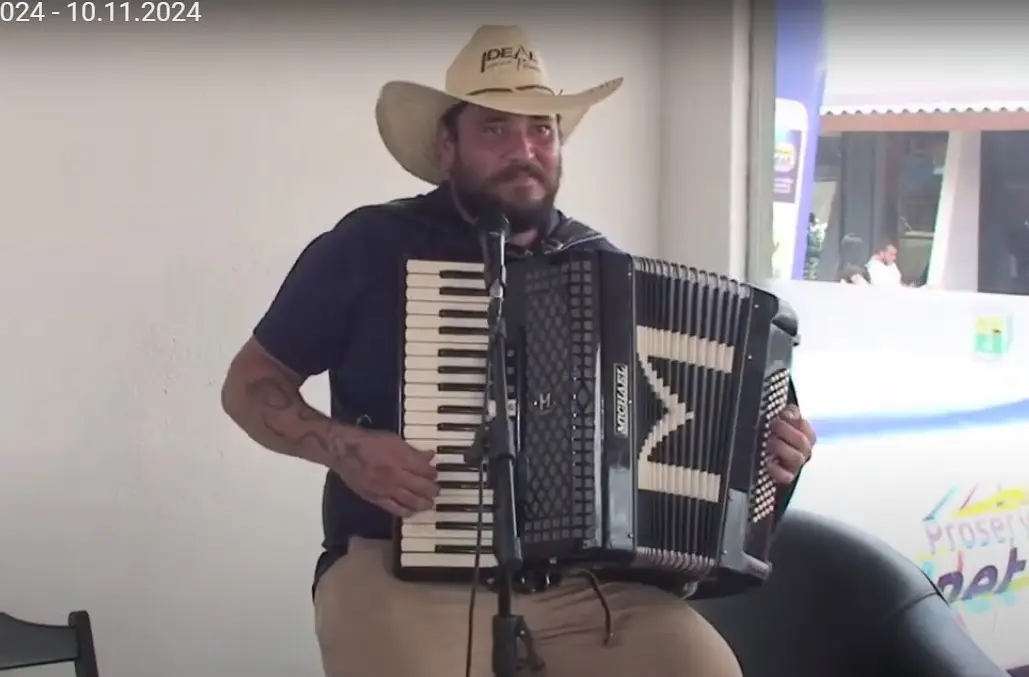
490 141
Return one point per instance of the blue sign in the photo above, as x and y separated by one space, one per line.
799 88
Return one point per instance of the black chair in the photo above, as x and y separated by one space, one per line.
26 645
842 603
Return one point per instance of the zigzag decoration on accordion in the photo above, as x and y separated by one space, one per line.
653 475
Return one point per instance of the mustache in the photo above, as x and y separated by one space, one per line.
521 169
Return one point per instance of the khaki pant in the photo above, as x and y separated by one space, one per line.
370 624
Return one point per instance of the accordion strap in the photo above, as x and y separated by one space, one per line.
569 233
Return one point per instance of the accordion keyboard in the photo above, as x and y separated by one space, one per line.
444 378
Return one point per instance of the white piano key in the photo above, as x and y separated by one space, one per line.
444 283
445 399
435 446
462 301
438 534
450 462
463 497
435 363
446 560
428 544
437 267
435 336
433 349
430 391
452 459
422 432
468 476
435 418
437 322
432 376
437 296
437 308
442 517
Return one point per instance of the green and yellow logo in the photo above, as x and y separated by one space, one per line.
993 336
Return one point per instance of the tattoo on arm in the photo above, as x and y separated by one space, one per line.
276 397
271 393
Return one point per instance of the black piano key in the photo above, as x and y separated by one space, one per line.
450 549
441 505
450 449
462 275
457 526
464 331
458 427
462 291
460 387
457 409
456 467
463 313
451 369
462 352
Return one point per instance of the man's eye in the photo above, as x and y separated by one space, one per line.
545 129
495 130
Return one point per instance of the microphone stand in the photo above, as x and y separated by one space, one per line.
497 448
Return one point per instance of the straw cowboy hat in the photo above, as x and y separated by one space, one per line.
498 68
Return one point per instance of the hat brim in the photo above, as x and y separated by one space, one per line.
408 116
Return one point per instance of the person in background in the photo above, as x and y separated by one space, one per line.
882 267
851 274
851 270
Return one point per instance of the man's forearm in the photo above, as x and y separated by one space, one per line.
269 408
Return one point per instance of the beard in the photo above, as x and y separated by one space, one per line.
482 198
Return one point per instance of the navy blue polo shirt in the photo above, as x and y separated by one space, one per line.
337 311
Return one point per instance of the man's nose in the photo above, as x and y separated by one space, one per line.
522 145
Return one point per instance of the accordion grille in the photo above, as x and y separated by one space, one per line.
561 372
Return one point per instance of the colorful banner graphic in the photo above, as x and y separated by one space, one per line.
799 86
978 542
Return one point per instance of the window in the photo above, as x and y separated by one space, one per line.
873 188
1004 213
916 167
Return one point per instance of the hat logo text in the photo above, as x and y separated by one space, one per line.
502 56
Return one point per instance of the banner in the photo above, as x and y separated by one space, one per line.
922 432
799 87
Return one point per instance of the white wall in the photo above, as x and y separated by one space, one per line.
925 55
155 185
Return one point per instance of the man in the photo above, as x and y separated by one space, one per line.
882 267
491 140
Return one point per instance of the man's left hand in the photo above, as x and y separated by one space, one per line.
791 442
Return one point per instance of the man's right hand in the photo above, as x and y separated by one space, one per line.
385 470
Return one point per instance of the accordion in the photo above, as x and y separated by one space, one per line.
641 397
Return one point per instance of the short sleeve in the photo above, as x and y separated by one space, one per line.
307 324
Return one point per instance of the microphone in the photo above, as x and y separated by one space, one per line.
494 229
494 222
